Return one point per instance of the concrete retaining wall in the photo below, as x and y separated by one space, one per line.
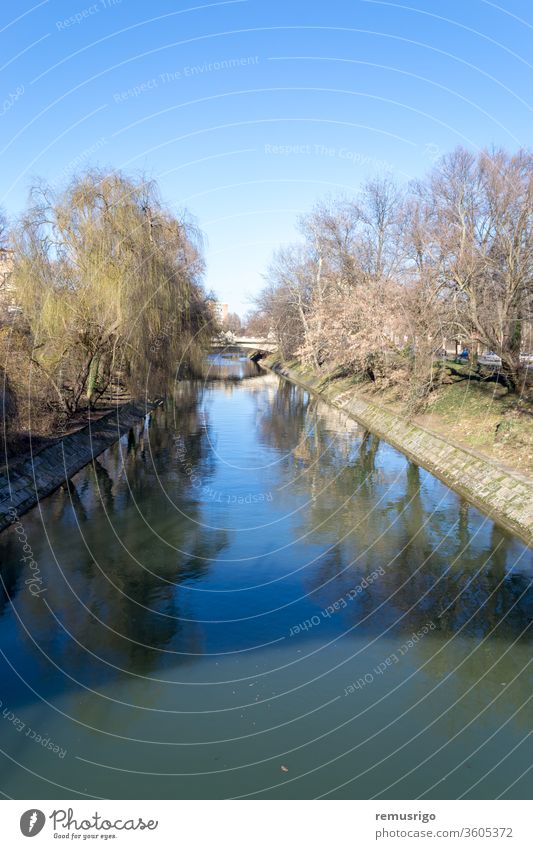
23 486
505 496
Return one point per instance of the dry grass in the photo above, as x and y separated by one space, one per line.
484 417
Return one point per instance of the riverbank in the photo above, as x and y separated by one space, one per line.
29 480
502 493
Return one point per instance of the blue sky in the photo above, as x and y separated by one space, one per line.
246 112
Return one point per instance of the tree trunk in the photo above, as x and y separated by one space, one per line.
511 370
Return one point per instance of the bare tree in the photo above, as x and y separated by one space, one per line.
354 309
257 323
381 213
380 282
288 298
482 212
233 323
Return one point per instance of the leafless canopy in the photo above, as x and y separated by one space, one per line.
381 281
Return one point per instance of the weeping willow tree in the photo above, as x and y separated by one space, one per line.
108 280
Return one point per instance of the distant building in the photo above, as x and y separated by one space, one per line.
7 290
220 311
6 263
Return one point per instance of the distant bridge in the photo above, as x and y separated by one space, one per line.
249 343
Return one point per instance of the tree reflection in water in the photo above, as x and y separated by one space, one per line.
120 540
376 508
164 599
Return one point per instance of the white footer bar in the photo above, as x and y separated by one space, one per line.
267 824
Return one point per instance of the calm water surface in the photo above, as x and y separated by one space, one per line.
251 581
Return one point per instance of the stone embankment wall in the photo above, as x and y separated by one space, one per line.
24 485
504 495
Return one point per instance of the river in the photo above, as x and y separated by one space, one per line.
250 596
